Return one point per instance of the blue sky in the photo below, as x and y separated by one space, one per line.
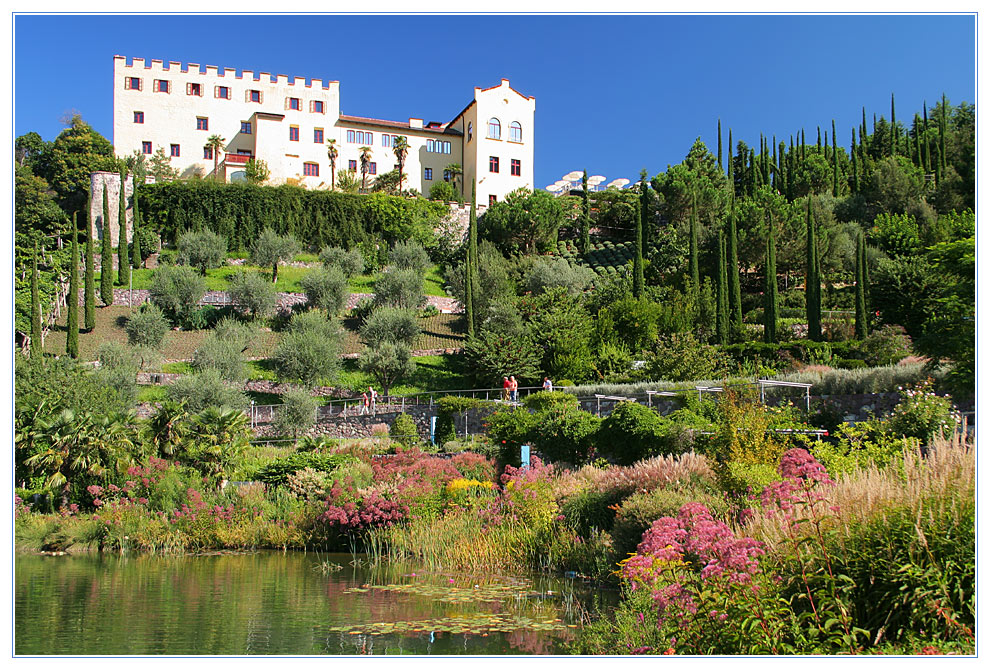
614 94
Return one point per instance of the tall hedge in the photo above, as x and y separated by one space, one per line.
239 212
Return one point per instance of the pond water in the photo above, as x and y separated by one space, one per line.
286 603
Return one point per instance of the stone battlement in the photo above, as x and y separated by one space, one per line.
155 66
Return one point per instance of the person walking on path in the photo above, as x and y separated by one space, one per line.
547 384
373 397
365 400
514 388
506 389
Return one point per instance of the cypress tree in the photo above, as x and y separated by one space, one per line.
775 167
135 241
640 224
927 147
835 164
770 287
735 292
720 166
855 165
812 282
106 255
72 325
721 308
862 329
36 337
753 173
693 246
644 197
943 129
893 128
918 158
123 258
862 131
585 243
731 171
804 154
790 171
781 155
819 139
89 286
469 266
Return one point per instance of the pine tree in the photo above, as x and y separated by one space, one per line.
123 258
735 292
862 328
720 167
37 344
585 244
72 325
770 288
640 224
721 308
469 263
812 282
135 241
89 285
835 164
106 255
693 270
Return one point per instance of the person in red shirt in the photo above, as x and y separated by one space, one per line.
506 388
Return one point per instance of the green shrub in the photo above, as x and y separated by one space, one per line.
448 409
297 412
886 346
409 255
205 389
922 413
325 288
631 433
508 430
638 512
390 324
681 357
176 290
310 350
147 326
118 370
252 293
565 435
404 430
401 288
350 262
277 472
222 355
239 334
591 509
546 400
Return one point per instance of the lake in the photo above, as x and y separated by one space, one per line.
287 603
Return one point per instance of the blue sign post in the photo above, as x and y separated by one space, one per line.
524 455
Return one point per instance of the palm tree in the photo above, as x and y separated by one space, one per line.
220 436
332 155
365 166
215 142
455 171
76 444
400 147
168 428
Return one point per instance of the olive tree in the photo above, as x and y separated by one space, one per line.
297 412
390 324
399 288
350 262
310 349
326 288
252 293
270 249
177 290
201 249
409 255
147 326
387 363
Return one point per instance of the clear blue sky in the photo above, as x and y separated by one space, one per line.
614 94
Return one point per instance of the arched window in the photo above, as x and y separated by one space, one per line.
515 132
494 129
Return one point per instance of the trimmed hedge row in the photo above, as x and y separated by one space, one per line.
239 212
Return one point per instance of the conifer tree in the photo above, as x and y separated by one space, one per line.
720 166
640 224
72 324
927 148
731 171
693 270
812 282
89 284
469 265
819 139
774 167
942 131
135 240
36 336
770 287
893 128
721 308
862 329
855 165
106 255
123 258
804 155
735 293
863 136
644 197
585 244
917 158
835 164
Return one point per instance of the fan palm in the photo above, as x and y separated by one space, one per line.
215 143
220 436
400 147
332 155
365 166
168 428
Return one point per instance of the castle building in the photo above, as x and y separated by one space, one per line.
290 123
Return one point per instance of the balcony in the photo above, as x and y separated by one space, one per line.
237 159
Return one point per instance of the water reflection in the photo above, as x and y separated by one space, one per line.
275 603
